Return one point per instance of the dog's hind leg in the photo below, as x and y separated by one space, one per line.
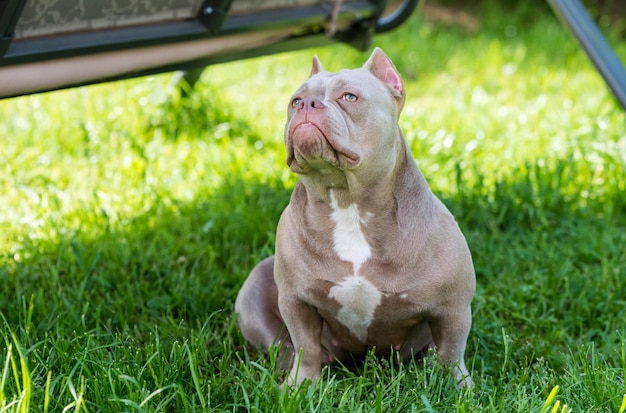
259 319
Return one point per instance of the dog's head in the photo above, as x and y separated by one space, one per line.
344 120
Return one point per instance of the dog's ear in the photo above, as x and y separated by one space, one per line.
317 66
382 67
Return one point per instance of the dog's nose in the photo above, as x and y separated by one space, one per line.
310 103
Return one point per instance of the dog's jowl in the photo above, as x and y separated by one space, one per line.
366 256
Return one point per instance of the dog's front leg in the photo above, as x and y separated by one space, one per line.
450 331
305 329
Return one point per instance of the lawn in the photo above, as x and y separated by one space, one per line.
130 217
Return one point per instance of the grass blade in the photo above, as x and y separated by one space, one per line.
550 399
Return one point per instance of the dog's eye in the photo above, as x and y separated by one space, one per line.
349 97
296 102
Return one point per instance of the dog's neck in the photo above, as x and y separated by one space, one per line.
344 188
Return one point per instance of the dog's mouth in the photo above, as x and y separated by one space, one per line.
308 144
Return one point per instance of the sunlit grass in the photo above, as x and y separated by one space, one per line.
130 216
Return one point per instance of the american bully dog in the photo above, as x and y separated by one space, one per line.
366 255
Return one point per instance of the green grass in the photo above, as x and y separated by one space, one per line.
131 216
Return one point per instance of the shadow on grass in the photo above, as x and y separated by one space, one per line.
177 260
542 253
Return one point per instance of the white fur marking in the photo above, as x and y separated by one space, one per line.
348 240
358 297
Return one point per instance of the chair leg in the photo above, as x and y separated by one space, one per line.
575 16
185 80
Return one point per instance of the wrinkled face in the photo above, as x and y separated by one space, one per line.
341 121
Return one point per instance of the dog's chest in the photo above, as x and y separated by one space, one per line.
357 297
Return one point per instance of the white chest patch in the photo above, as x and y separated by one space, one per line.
358 297
348 240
